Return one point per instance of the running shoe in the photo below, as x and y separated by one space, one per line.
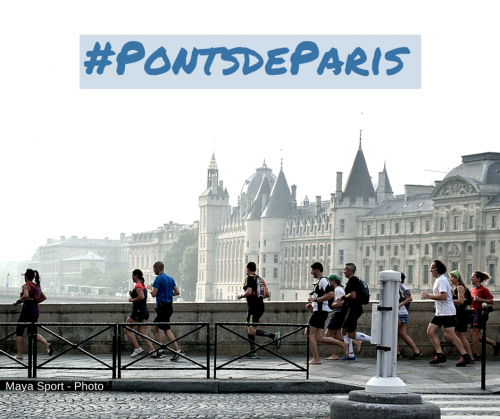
136 352
277 341
438 359
477 357
252 355
348 359
160 354
50 351
415 356
464 360
176 356
496 348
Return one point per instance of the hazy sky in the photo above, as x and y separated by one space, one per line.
99 162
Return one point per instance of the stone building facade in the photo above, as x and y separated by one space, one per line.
456 220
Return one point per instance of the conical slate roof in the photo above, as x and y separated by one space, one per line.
280 201
359 183
256 210
387 188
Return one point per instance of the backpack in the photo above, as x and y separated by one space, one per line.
365 292
403 295
262 291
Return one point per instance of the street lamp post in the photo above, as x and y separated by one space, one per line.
7 279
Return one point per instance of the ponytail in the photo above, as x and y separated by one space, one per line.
139 275
36 277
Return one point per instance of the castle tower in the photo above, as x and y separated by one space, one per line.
357 198
384 189
273 223
214 208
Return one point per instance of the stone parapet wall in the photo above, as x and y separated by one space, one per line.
421 312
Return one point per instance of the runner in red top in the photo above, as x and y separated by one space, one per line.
480 294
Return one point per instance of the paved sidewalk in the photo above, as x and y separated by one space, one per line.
268 373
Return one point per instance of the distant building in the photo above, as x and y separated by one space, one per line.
148 247
456 220
61 262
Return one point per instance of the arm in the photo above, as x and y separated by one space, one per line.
154 291
42 298
140 295
248 292
176 290
24 295
483 300
461 296
409 299
326 297
441 296
350 296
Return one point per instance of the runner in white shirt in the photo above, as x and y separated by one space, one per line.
445 316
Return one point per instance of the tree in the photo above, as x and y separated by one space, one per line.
181 261
189 272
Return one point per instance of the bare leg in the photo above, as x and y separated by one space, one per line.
131 335
463 338
170 336
450 334
475 333
19 346
144 331
332 333
432 333
407 339
43 341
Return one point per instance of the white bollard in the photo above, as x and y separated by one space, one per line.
385 336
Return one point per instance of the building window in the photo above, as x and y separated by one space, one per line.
412 226
246 259
396 250
286 252
367 274
264 258
275 273
321 250
427 226
471 222
454 266
306 250
299 251
342 226
382 228
456 221
341 257
492 247
248 243
494 221
410 250
426 274
313 251
265 242
395 268
381 251
409 277
396 228
329 249
469 272
469 250
368 229
292 251
492 274
264 272
426 249
275 258
441 224
380 268
367 251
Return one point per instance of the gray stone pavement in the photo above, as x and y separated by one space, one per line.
268 373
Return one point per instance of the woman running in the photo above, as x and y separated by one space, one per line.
462 299
31 296
140 313
480 294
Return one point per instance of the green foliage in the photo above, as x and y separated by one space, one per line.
181 263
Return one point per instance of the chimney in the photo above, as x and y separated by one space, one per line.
338 191
294 193
318 204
